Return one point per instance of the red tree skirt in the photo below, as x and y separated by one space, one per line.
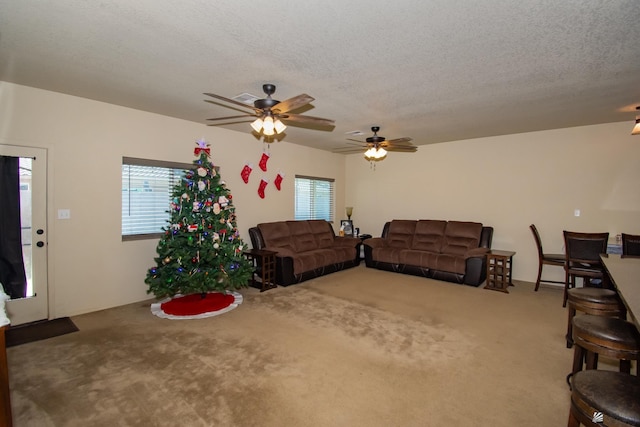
195 307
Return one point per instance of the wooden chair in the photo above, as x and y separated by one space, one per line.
630 244
582 259
548 259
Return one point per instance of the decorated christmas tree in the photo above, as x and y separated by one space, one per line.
201 249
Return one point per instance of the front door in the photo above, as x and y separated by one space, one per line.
33 214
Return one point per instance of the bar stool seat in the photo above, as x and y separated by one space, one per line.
595 301
609 337
613 394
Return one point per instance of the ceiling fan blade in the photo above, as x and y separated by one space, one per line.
233 117
351 139
348 150
402 149
306 119
399 141
292 103
232 101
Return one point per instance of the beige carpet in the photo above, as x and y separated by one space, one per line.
360 347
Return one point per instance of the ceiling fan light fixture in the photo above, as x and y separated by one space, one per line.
370 153
381 153
279 126
636 128
257 124
267 126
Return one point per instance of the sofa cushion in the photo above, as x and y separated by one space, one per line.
301 236
400 233
322 232
428 235
418 258
450 263
460 237
314 259
276 235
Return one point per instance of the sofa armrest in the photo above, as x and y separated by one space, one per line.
476 252
375 242
281 252
346 241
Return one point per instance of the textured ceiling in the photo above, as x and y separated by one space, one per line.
432 70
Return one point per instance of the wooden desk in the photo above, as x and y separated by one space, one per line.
265 264
499 265
624 273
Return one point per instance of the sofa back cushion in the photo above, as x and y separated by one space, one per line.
429 235
276 235
301 236
460 237
322 232
400 233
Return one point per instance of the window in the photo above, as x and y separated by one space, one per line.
147 187
314 198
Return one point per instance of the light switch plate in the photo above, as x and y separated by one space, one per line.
64 214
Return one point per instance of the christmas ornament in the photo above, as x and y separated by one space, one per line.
201 185
262 186
202 172
263 161
202 147
278 180
246 171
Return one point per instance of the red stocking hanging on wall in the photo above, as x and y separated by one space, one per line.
263 185
278 180
246 171
263 161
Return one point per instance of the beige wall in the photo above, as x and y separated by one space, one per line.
509 182
90 268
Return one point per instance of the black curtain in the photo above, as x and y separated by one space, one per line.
12 273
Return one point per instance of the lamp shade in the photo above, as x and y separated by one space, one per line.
257 125
636 128
279 126
267 126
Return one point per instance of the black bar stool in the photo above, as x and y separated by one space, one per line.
604 398
594 301
610 337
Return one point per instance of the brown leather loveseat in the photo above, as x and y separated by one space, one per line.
305 249
454 251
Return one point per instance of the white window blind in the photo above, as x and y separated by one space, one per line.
314 198
147 187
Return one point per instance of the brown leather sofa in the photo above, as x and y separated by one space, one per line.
305 249
453 251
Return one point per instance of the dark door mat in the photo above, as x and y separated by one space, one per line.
37 331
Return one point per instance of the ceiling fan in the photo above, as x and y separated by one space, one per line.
377 146
271 113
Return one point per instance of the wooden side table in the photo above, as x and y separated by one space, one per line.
265 264
5 394
499 266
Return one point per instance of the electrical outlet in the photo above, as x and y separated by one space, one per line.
576 212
